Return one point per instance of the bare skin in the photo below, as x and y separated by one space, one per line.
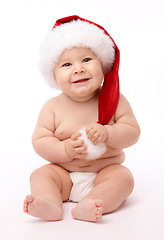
79 75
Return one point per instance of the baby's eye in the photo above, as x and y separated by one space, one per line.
87 59
66 65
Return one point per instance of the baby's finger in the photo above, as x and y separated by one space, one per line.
77 143
75 136
81 150
98 140
95 137
82 155
91 133
89 128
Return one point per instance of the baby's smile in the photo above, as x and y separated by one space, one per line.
83 80
82 77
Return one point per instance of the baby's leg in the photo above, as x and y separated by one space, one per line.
50 186
112 186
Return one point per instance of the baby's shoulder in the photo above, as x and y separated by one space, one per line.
53 101
122 100
123 107
51 104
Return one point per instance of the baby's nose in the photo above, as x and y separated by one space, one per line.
78 69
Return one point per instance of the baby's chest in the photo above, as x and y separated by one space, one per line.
72 121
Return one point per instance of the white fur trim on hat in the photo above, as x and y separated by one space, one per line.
93 151
75 33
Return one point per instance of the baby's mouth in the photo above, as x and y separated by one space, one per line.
83 80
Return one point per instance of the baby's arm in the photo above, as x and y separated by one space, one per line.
123 133
126 131
47 145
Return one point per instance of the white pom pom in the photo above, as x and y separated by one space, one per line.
94 151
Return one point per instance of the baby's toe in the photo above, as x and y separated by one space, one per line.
25 210
99 213
25 207
25 202
29 198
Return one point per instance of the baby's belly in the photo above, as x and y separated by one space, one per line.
78 165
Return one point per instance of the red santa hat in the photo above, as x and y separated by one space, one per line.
75 31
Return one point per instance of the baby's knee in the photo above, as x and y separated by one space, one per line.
45 170
128 179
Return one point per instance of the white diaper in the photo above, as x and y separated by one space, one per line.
83 183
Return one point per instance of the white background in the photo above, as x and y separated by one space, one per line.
138 29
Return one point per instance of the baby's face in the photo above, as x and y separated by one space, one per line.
79 73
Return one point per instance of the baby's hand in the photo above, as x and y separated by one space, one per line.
96 133
75 148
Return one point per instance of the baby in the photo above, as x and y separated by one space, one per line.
81 59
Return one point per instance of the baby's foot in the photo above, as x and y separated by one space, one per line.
88 210
42 208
